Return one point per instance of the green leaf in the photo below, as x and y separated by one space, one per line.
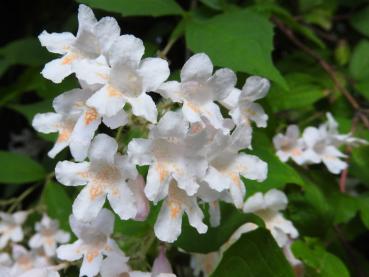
231 218
319 260
19 169
214 4
30 110
304 91
360 61
27 51
136 7
342 52
359 164
57 203
254 254
360 21
363 88
232 40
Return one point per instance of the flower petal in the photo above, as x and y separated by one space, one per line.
95 71
70 252
157 182
198 67
140 151
222 83
144 106
122 201
168 225
58 43
89 202
103 148
72 174
58 69
35 241
255 88
254 203
154 71
216 180
118 120
107 101
91 264
275 200
107 30
251 167
171 90
47 122
127 48
231 101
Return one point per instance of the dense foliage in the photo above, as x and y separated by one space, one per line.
307 216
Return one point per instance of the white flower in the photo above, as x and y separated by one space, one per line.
115 265
11 227
173 153
40 272
105 175
25 260
297 265
93 39
168 225
199 89
268 207
290 145
226 164
241 102
320 149
93 244
161 263
48 236
5 259
125 78
75 122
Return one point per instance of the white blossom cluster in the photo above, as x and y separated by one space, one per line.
316 145
40 260
193 153
99 253
268 207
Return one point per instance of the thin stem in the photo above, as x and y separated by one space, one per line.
325 65
21 197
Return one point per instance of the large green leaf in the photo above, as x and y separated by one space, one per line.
231 218
241 40
304 91
360 21
320 262
57 203
360 61
359 164
136 7
19 169
254 254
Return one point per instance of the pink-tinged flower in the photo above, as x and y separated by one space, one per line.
241 102
11 227
94 38
199 89
106 175
75 122
125 78
48 235
94 244
290 145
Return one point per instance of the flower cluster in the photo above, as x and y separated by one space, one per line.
316 145
268 207
193 153
41 259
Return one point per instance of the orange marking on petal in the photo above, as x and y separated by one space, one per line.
102 76
175 209
193 107
163 173
68 59
113 92
90 116
296 152
64 135
91 255
95 191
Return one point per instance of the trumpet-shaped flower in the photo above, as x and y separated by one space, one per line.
199 89
168 225
48 236
290 145
93 243
125 78
105 175
173 153
93 39
320 149
241 102
11 227
226 164
75 122
268 207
